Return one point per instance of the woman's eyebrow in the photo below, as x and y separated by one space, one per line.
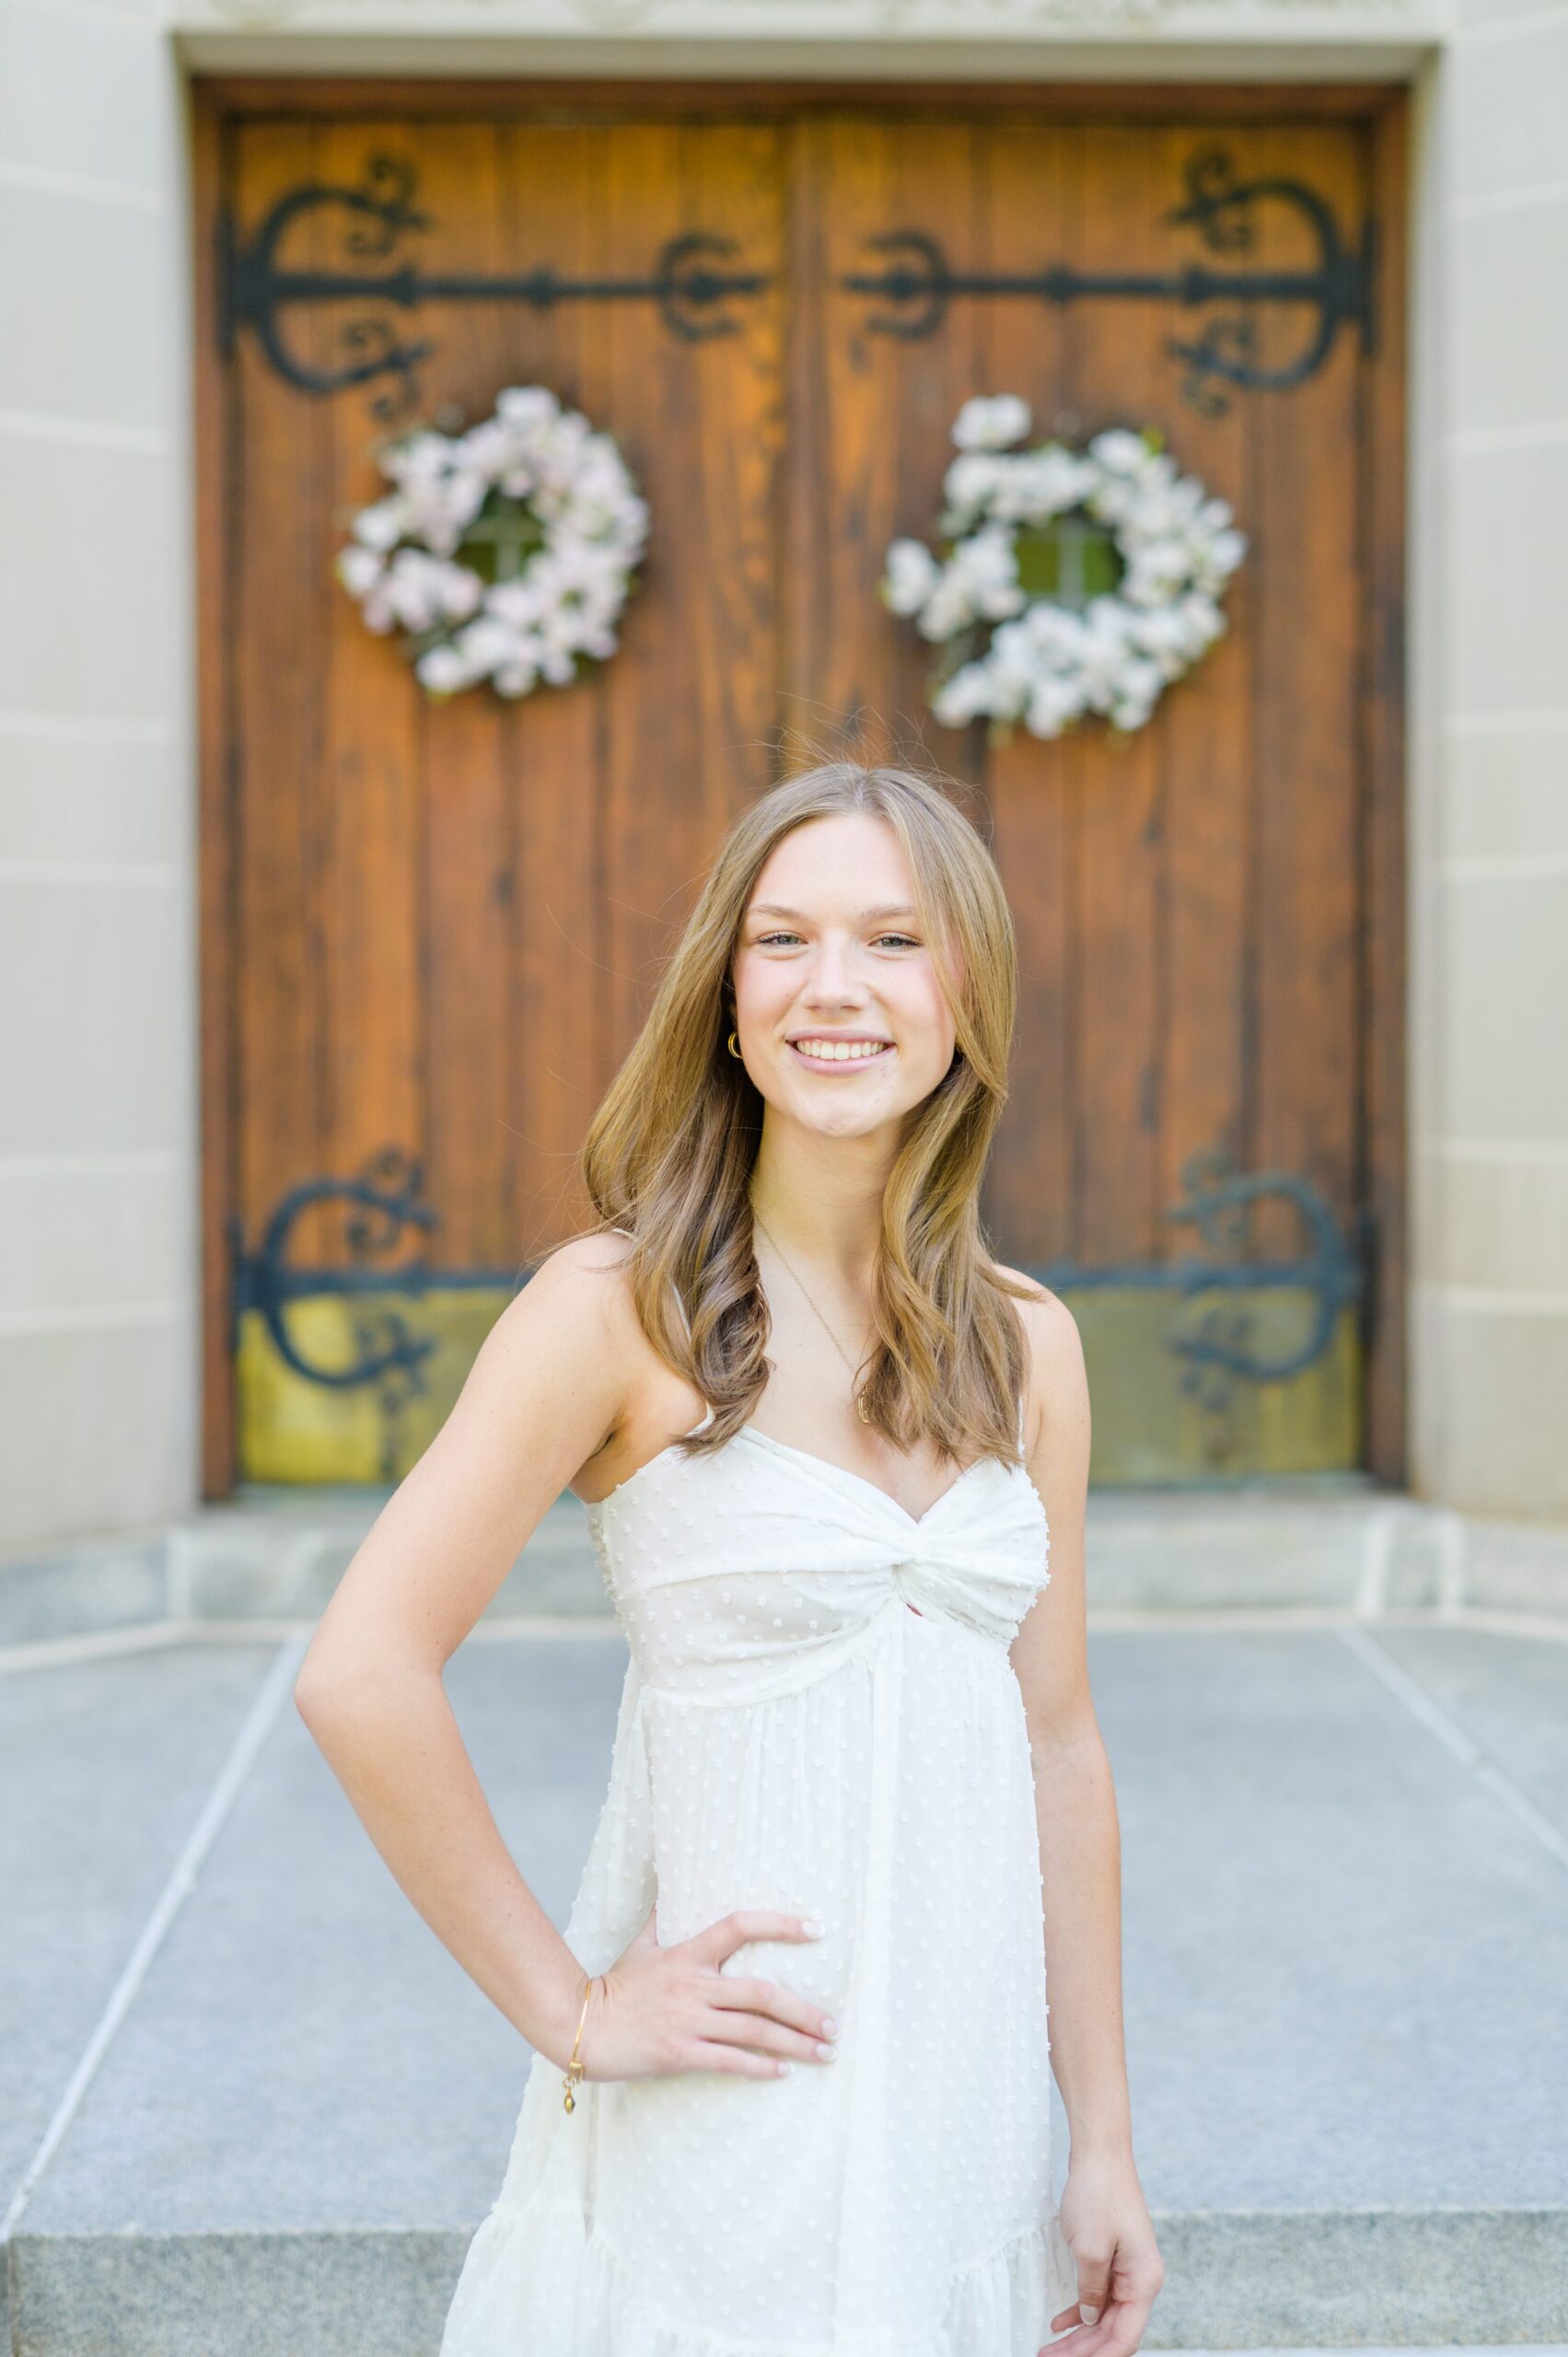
773 909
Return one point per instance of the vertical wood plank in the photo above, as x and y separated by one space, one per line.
557 1049
1031 174
364 816
651 748
845 497
936 187
1207 722
733 176
1306 883
211 172
1118 375
1383 1183
461 819
282 621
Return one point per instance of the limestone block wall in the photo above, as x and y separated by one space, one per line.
98 1353
1490 772
97 978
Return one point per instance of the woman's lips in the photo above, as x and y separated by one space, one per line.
837 1064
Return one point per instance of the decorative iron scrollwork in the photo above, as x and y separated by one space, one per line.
1219 1350
689 283
917 282
1219 1347
379 1206
1219 1203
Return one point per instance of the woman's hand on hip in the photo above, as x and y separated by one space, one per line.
1110 2235
661 2010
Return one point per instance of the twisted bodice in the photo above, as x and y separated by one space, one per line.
753 1571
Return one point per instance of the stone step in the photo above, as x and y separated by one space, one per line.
270 2109
275 1556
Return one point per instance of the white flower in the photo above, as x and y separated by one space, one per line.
1042 483
1155 572
486 644
517 678
358 569
1120 452
979 581
991 424
1203 620
526 408
969 486
1220 559
911 576
442 671
380 527
963 697
1053 704
1164 634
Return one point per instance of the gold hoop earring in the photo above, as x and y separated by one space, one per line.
734 1049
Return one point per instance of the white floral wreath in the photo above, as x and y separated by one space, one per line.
504 553
1048 661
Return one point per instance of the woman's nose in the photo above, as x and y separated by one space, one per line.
834 976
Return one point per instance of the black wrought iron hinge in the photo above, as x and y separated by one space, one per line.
690 283
917 282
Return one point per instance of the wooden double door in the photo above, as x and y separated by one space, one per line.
430 931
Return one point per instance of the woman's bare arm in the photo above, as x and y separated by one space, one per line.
1103 2212
546 1387
1075 1801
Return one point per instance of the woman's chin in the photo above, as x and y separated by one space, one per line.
857 1113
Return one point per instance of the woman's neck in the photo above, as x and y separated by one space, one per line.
822 1197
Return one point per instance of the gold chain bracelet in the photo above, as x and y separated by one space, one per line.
574 2068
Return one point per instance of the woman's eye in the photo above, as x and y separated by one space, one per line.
900 940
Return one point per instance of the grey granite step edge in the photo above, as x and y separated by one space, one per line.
1147 1552
1253 2281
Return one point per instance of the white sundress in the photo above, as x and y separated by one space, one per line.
819 1715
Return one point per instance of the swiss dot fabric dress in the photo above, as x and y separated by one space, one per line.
819 1715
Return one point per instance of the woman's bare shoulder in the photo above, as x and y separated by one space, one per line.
1056 1350
1043 1309
597 1253
583 1281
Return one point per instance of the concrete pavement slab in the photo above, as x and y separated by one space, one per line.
1345 1962
104 1767
1508 1694
306 2055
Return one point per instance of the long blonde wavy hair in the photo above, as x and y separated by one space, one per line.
668 1157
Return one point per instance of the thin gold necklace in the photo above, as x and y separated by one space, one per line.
860 1406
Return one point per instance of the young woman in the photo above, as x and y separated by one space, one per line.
860 1809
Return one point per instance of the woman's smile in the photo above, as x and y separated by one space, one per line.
841 1051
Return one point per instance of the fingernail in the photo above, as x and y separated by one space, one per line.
1090 2316
812 1929
784 2068
829 2029
828 2053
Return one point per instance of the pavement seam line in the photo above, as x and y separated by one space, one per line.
1451 1735
182 1880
